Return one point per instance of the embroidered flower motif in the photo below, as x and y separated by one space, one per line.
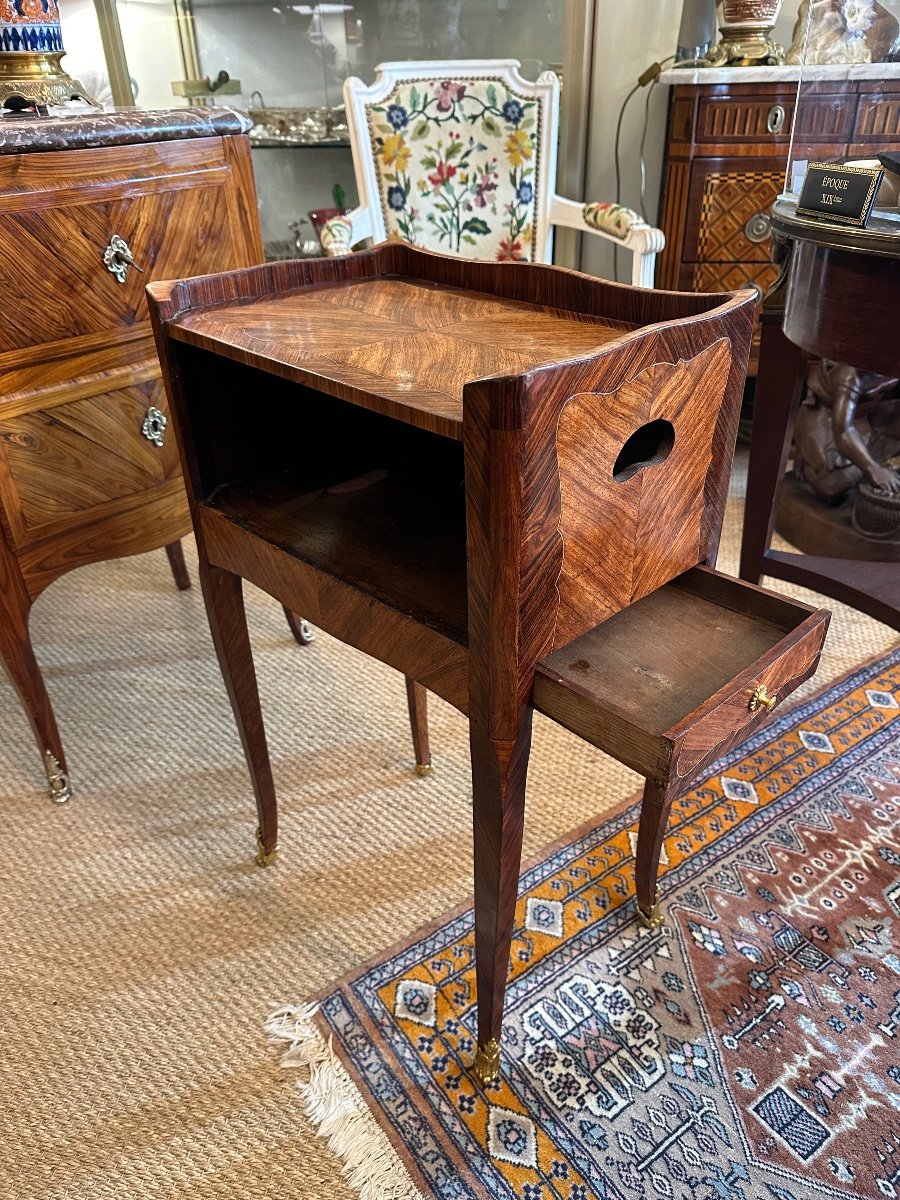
544 1057
395 152
397 116
441 176
448 94
509 251
518 147
486 183
439 153
396 197
512 112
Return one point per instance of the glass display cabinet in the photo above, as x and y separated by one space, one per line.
286 63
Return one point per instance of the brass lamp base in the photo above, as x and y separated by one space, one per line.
38 78
745 48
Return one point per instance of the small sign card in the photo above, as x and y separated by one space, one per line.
844 195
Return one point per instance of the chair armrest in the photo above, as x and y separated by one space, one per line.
341 234
617 224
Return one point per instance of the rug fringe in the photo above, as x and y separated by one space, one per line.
332 1101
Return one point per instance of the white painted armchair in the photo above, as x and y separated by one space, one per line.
460 157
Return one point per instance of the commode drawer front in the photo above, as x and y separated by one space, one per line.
728 216
765 117
70 462
83 232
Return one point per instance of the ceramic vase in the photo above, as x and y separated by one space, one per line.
31 48
746 27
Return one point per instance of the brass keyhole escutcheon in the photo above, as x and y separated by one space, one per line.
775 118
154 426
762 699
117 258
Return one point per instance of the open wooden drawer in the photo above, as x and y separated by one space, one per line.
683 675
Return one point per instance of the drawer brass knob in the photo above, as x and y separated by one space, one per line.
117 258
758 228
154 426
762 699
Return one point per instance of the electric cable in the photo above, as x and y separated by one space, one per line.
650 75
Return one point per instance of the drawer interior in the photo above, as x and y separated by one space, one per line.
652 666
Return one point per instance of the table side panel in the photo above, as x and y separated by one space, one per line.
626 535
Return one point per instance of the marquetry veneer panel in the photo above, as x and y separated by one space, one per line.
67 459
602 574
383 339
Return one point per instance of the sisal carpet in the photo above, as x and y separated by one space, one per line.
140 949
748 1048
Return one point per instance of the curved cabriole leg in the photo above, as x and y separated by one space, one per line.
499 770
175 555
228 624
25 675
655 808
300 628
417 700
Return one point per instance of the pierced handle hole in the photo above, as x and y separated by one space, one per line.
647 446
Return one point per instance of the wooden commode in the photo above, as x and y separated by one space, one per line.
505 480
93 207
726 159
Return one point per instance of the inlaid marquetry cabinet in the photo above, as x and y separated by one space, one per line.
93 208
726 152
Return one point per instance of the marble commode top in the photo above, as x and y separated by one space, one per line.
83 128
837 72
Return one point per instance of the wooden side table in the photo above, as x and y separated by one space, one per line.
840 301
499 479
93 207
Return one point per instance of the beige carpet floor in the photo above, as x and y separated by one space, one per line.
140 948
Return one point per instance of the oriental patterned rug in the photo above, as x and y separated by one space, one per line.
748 1050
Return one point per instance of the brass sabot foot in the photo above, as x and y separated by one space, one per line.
486 1067
424 769
654 918
58 785
264 857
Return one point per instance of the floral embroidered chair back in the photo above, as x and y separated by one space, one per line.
460 157
458 163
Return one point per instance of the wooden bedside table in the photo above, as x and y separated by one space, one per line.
499 479
93 207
